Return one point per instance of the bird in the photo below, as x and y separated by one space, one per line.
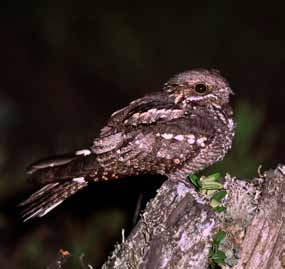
179 130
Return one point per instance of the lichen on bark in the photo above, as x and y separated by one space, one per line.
177 227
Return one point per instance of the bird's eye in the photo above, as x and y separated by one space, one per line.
201 88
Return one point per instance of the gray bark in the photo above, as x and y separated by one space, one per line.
264 243
177 227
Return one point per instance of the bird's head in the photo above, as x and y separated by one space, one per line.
199 87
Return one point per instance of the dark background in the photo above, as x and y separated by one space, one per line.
66 66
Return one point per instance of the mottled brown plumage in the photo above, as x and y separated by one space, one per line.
180 130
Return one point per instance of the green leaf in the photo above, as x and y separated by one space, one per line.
214 203
195 181
218 257
212 185
214 177
211 252
219 237
219 209
218 196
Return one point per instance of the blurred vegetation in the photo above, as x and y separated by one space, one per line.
66 66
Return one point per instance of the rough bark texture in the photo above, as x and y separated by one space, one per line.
177 227
264 242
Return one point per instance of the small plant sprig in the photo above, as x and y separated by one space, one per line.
216 256
215 192
211 187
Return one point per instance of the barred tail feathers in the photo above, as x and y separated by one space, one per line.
50 196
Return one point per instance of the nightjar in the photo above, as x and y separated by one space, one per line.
182 129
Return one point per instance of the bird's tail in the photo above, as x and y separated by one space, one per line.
50 196
61 177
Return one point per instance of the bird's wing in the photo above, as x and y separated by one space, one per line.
155 148
140 111
144 112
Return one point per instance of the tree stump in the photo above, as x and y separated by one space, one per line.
178 226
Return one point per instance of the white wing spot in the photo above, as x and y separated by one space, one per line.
201 141
191 139
83 152
79 179
167 136
179 137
